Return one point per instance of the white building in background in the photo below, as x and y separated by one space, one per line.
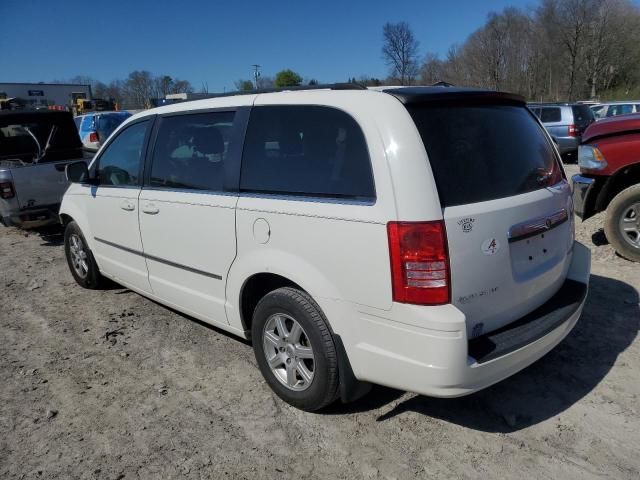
45 94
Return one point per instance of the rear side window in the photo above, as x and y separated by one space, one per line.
480 153
548 115
582 115
190 151
622 109
306 150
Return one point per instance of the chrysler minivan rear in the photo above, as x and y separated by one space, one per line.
499 280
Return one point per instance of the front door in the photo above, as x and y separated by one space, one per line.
187 219
113 208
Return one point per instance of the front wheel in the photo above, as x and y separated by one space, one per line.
622 225
80 259
295 350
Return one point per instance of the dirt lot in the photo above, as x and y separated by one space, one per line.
107 384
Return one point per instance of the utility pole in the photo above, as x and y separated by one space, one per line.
256 74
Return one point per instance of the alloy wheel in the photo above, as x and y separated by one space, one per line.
288 352
79 257
629 225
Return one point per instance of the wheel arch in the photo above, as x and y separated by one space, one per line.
71 211
619 181
261 283
260 269
255 288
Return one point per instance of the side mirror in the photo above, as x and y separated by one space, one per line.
77 172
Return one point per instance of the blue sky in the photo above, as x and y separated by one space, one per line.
217 42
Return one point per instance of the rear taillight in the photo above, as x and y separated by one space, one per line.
93 137
419 262
6 190
573 131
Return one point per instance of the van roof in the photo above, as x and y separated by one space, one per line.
408 95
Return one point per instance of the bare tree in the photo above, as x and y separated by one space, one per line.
400 51
431 70
163 85
139 89
561 50
181 86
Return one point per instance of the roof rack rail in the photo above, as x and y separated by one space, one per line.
326 86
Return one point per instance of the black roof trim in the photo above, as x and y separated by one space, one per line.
417 95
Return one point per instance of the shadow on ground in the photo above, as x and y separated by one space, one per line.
609 324
599 238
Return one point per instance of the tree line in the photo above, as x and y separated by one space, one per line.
137 90
560 50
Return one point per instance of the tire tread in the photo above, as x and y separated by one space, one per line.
315 314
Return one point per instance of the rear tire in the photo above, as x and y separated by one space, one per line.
81 263
622 225
295 350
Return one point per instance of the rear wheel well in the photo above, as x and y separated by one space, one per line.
256 287
621 180
65 219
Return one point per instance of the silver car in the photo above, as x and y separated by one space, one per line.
565 123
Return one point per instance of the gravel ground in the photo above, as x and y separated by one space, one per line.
107 384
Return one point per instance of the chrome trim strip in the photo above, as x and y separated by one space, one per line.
537 225
158 259
577 178
308 198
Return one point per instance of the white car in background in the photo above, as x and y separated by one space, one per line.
420 238
606 110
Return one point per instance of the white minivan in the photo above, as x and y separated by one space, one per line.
420 238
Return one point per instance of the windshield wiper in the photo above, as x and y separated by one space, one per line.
35 139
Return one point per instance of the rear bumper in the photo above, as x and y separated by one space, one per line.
568 144
442 362
32 218
582 188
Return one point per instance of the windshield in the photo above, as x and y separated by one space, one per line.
486 152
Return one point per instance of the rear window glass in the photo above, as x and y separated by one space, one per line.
50 140
480 153
582 115
306 150
550 115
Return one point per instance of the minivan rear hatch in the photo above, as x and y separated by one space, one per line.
505 199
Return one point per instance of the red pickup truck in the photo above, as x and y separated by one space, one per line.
609 179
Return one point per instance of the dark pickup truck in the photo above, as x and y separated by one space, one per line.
35 147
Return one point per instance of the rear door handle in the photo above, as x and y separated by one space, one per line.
150 208
127 205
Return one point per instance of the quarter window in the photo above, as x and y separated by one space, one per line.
119 165
191 150
548 115
306 150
